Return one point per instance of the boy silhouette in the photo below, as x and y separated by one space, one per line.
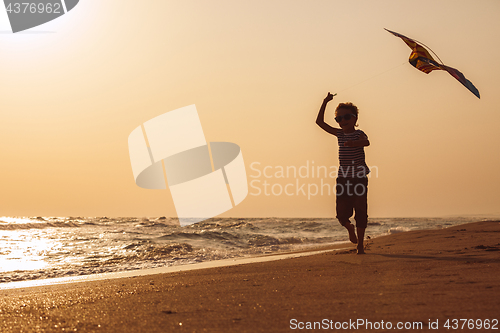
352 181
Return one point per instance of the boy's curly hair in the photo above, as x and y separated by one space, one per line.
348 106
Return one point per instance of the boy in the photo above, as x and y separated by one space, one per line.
352 181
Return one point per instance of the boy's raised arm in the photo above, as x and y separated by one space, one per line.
321 117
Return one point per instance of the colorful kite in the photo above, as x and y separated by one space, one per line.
423 61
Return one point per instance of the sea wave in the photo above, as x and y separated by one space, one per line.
44 247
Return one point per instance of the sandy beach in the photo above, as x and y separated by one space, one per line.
420 277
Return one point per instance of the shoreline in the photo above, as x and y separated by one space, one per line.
175 268
306 250
315 249
422 276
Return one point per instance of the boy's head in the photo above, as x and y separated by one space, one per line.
347 106
346 114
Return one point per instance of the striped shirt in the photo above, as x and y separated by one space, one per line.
351 159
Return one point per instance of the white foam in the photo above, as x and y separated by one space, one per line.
398 230
160 270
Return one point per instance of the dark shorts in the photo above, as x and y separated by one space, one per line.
352 196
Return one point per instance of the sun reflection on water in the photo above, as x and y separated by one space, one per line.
26 249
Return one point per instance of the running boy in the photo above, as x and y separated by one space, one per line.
352 181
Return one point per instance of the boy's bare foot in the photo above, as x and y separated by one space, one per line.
361 238
352 234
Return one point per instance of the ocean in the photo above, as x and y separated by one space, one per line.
34 248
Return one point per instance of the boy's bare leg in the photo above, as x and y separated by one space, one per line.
352 234
361 237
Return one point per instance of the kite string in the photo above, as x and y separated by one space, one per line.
371 77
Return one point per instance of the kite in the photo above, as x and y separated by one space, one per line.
421 59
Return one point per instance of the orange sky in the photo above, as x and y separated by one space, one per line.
73 89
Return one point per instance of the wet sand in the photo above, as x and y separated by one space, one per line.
425 277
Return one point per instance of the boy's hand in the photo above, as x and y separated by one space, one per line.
362 142
329 97
349 144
